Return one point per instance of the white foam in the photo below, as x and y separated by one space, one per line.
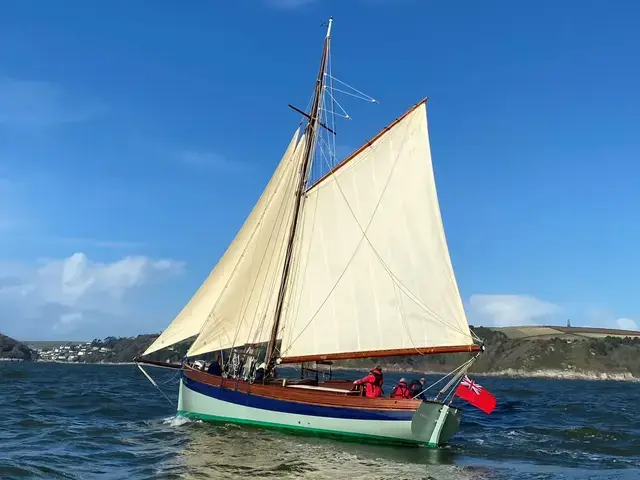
178 421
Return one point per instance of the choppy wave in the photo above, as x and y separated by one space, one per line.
62 421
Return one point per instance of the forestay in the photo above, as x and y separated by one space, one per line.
373 270
250 241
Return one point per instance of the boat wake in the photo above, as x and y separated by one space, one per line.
179 420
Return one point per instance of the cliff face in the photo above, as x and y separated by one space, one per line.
10 348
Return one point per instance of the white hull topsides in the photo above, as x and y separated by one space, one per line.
432 424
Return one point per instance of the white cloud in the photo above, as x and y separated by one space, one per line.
68 291
70 317
626 324
26 103
76 279
505 310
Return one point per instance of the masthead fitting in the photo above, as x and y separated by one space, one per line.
329 27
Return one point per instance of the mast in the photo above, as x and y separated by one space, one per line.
310 133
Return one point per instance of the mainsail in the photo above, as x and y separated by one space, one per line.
373 275
263 217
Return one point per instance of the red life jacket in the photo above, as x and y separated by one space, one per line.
375 385
400 391
372 384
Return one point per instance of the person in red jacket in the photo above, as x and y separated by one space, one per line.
372 383
401 390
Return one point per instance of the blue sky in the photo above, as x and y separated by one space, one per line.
136 136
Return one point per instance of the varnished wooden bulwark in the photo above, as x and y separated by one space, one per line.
309 397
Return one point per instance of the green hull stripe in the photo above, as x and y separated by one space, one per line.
319 431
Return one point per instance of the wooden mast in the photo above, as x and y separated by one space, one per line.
310 133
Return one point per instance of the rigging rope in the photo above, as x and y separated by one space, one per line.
455 381
452 372
154 383
364 95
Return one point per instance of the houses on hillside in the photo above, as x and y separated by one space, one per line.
71 352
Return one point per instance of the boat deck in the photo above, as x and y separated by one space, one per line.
336 393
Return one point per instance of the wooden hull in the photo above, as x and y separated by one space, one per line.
312 411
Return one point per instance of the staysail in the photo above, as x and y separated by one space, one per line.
264 216
373 276
246 307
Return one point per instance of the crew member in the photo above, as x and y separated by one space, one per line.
416 387
400 390
372 383
215 368
260 372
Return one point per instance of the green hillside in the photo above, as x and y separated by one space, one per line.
525 349
533 349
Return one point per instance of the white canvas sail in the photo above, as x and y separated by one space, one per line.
193 316
246 307
373 271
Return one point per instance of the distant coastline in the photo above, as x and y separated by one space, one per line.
526 352
510 373
563 375
83 363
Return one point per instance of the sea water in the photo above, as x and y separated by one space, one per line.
108 421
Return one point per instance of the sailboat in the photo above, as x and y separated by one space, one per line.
352 265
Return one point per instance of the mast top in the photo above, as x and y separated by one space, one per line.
329 27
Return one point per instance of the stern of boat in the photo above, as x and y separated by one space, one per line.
434 423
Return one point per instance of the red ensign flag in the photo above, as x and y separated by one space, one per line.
476 395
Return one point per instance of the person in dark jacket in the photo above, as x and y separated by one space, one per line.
372 383
400 390
215 368
416 387
260 373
